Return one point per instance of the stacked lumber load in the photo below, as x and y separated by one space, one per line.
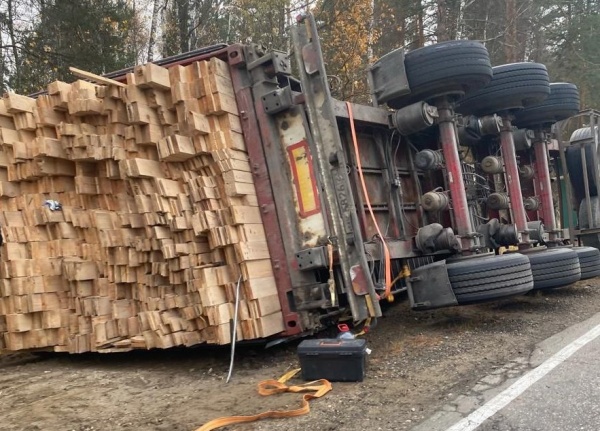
129 216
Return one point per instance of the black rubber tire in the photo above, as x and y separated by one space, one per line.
582 135
562 103
514 86
554 267
490 278
582 215
575 168
589 261
455 67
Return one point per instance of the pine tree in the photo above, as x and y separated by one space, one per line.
88 34
347 39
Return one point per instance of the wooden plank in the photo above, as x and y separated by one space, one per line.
240 189
197 123
54 319
142 168
264 306
219 314
252 250
234 176
140 113
270 325
255 288
154 196
151 75
245 214
43 302
15 103
176 148
95 78
221 103
19 322
76 270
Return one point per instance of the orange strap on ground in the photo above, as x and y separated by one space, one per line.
272 387
387 261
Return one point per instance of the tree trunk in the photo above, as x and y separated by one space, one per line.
442 21
371 35
13 40
510 40
183 24
2 64
153 29
420 27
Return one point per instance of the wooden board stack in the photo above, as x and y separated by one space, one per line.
158 216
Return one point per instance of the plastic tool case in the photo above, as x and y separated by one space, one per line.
333 359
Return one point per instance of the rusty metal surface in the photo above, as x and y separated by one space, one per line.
361 113
360 280
377 183
399 249
265 195
311 224
389 179
331 161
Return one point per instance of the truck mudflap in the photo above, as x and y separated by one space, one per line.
429 287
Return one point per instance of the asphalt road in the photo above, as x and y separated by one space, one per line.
556 389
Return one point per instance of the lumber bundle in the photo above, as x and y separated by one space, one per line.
129 214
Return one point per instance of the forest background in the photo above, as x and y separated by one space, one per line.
40 39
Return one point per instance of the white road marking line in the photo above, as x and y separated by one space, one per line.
493 406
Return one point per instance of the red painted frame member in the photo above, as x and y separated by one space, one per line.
458 193
507 145
544 186
249 112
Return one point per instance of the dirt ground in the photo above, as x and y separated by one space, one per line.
419 361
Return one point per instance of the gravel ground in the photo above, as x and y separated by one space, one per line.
420 360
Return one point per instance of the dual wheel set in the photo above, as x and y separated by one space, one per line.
481 279
459 74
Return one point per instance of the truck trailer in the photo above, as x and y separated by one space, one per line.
240 189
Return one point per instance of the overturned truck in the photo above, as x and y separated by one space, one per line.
158 206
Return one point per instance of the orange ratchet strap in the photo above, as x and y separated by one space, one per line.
272 387
388 266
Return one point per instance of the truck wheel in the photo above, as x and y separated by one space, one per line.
589 261
454 67
554 267
489 278
584 222
562 103
513 86
575 168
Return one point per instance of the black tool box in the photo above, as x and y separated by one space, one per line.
333 359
